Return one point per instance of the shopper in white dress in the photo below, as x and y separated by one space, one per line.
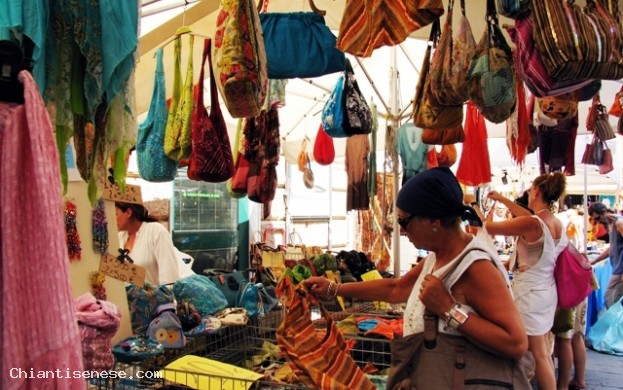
538 245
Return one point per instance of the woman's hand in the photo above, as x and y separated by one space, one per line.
494 195
435 296
317 286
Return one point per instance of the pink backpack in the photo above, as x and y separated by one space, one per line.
573 274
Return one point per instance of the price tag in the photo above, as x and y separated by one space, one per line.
132 193
124 271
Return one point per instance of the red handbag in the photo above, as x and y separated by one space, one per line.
211 158
324 150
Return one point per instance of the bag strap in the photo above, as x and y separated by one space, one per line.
431 319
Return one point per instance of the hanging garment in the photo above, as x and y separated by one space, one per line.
356 161
369 24
412 150
554 146
30 162
518 136
474 166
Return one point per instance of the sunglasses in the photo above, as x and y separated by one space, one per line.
404 222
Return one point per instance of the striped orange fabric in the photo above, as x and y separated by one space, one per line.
319 359
369 24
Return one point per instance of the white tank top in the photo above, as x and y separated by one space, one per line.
414 312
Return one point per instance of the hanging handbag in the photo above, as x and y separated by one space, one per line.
153 163
603 130
308 176
588 157
606 165
426 115
177 136
361 29
240 58
324 150
318 358
299 44
559 107
491 75
211 158
450 62
333 111
529 65
443 137
303 157
358 117
578 43
237 185
617 105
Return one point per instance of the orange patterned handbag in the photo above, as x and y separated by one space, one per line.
318 360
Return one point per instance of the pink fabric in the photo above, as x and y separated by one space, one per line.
39 328
98 322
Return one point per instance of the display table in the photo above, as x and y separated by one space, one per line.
596 301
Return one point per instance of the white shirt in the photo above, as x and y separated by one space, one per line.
153 249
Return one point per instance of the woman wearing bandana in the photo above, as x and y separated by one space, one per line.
460 281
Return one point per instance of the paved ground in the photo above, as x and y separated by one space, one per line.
603 371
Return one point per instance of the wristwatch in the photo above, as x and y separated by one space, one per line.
456 316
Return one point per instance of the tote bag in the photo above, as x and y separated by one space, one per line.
450 62
427 115
240 58
319 360
491 75
153 163
211 159
177 136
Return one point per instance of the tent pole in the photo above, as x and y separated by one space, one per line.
394 112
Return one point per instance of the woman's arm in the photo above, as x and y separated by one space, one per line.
165 254
527 227
392 290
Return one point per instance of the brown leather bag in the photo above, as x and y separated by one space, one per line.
432 360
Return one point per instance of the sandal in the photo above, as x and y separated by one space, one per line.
573 386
